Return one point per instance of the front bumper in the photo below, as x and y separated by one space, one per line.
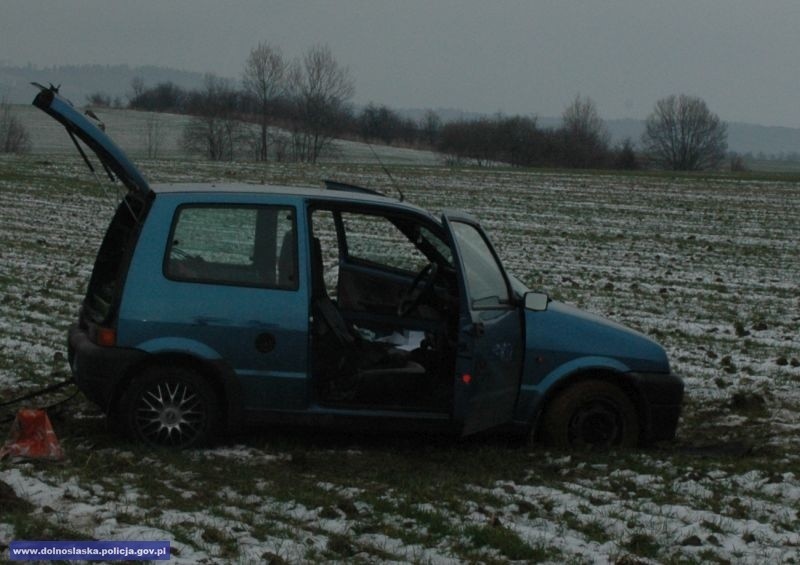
98 370
662 393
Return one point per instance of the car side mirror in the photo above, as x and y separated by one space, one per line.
536 301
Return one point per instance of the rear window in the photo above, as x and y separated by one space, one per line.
237 245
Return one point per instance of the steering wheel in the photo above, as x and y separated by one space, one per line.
413 296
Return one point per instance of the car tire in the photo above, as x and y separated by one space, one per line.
169 407
591 415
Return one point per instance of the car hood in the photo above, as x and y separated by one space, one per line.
78 125
565 334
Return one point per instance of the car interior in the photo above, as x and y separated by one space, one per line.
385 311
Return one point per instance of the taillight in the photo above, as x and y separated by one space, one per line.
107 337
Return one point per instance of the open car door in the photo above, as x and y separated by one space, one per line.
489 357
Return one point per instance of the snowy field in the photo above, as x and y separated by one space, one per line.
708 266
129 128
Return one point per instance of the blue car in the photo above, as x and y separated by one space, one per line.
211 307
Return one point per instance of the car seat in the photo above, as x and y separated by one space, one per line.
342 358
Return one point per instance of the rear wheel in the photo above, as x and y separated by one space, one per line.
169 407
593 415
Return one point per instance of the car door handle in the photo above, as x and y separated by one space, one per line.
265 342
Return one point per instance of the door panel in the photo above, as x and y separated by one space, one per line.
489 358
367 290
490 353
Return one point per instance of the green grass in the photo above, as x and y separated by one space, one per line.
505 542
643 544
28 526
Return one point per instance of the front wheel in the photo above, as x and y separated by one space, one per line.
169 407
594 415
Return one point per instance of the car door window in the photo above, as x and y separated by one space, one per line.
486 284
239 245
375 239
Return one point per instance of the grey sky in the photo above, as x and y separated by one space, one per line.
529 57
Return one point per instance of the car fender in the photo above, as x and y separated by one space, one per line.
208 361
582 365
535 392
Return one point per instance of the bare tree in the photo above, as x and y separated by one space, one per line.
431 127
14 138
137 88
265 74
586 135
625 156
214 138
379 122
581 116
99 100
214 131
320 89
472 140
282 144
738 163
163 97
682 134
155 135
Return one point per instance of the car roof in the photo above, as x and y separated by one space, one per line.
298 191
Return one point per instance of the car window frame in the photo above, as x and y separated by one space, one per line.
511 302
227 282
338 208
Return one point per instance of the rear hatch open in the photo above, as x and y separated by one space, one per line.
108 276
79 126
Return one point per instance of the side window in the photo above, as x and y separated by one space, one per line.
485 282
377 240
239 245
441 248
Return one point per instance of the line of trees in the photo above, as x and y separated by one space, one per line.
309 98
300 106
14 138
681 134
582 141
